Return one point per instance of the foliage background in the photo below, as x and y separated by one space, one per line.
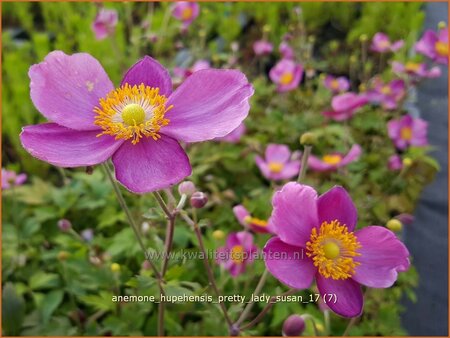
56 284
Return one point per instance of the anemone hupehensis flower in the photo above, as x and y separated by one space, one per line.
434 45
408 131
138 124
278 163
316 238
334 161
252 223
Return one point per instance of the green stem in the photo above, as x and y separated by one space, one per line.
349 326
304 165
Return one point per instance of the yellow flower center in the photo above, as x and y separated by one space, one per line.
384 44
332 159
334 84
406 133
441 48
255 221
275 167
132 112
386 90
332 249
412 66
286 78
237 254
186 13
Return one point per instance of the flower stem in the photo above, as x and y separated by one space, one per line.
349 326
168 243
257 291
304 164
306 316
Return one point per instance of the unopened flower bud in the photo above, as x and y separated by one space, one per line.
294 325
442 25
363 37
353 59
145 227
115 267
63 255
334 45
308 139
198 199
266 28
146 265
405 218
87 235
394 225
64 225
407 162
218 235
186 188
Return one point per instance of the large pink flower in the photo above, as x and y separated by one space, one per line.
382 44
408 131
286 74
316 239
278 164
138 124
344 106
335 160
434 45
105 23
237 253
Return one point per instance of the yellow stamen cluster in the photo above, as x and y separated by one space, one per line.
412 66
332 249
237 254
255 221
275 167
132 112
286 78
332 159
386 90
186 14
334 84
406 133
441 48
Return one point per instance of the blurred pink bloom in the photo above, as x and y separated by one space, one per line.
334 160
286 51
344 106
234 136
395 162
382 44
105 23
277 164
416 70
434 45
388 95
186 12
251 223
183 73
405 218
238 251
262 47
11 179
286 74
408 131
336 84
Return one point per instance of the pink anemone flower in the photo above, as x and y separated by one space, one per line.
387 95
336 84
286 51
278 164
286 74
395 163
344 106
434 45
408 131
316 239
334 161
186 12
262 47
138 124
235 136
238 251
382 44
250 222
12 179
416 70
104 23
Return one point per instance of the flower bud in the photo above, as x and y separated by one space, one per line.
308 139
363 37
394 225
198 199
442 25
146 265
405 218
64 225
63 255
362 87
115 267
294 325
266 28
218 235
145 227
407 162
186 188
353 59
87 235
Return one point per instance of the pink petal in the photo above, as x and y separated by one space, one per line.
241 213
264 168
348 295
151 165
289 264
336 203
277 153
210 103
383 255
353 155
290 170
295 213
65 147
151 73
317 164
67 88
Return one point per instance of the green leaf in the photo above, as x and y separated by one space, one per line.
50 303
42 280
13 311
